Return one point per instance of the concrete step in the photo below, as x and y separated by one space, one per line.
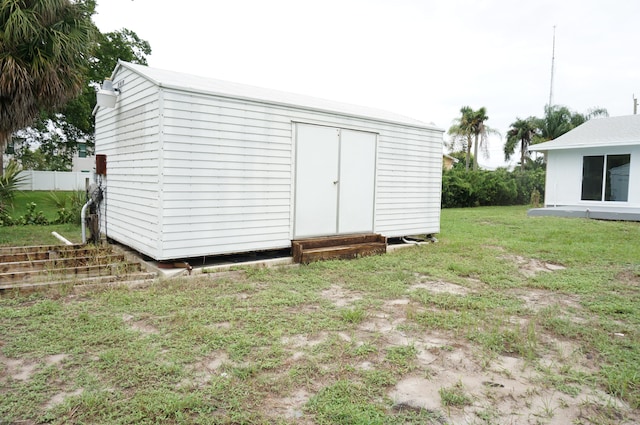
337 247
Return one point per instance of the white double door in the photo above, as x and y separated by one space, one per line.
335 181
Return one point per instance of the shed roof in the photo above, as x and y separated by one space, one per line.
597 132
198 84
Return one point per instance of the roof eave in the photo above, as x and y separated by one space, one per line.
543 148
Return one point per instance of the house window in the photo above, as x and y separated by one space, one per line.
605 178
82 150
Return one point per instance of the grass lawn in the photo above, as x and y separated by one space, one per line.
41 198
38 235
506 320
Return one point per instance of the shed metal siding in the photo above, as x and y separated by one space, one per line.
227 172
128 135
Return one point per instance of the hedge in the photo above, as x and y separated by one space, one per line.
461 188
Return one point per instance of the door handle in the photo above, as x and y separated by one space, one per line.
335 181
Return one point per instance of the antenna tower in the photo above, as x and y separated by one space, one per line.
553 60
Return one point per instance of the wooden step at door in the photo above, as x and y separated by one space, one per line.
337 247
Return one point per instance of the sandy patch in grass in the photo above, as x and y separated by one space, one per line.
290 407
441 287
537 299
341 297
23 369
530 267
502 388
59 397
205 369
139 325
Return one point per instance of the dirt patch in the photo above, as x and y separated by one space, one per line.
60 397
205 369
537 299
139 325
441 287
341 297
530 267
18 369
508 390
290 407
23 369
629 277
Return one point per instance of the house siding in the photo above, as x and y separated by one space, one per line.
564 176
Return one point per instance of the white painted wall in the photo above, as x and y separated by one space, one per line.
193 174
130 136
564 176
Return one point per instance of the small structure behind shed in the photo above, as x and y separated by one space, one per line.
594 170
198 167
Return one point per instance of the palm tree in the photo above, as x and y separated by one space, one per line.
560 119
480 132
461 133
469 130
44 47
522 132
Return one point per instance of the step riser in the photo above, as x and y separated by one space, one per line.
337 247
87 282
69 273
343 253
49 255
59 263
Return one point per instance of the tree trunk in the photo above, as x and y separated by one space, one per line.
475 154
4 140
468 156
522 155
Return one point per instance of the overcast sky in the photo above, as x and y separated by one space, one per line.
420 58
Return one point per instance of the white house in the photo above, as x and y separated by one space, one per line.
594 170
197 167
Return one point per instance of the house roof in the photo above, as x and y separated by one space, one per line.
597 132
197 84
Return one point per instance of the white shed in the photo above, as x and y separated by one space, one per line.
594 170
198 167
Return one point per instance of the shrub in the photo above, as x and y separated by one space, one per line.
68 207
9 182
535 198
461 188
32 216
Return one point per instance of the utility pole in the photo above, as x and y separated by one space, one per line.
635 104
553 59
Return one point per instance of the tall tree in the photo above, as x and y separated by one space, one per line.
76 119
559 119
460 132
59 133
521 134
471 128
481 133
44 51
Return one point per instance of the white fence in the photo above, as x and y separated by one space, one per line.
55 180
